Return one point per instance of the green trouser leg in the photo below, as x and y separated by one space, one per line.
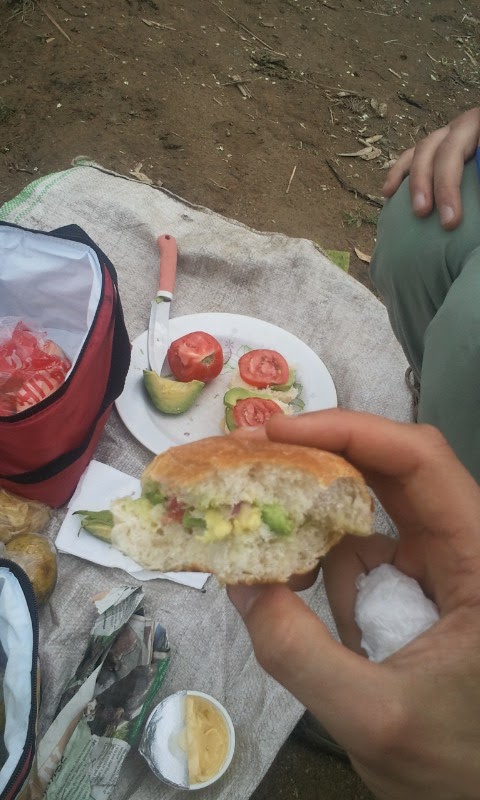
429 280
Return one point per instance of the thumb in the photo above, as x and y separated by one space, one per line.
347 693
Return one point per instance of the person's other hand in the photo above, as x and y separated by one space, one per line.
411 723
435 165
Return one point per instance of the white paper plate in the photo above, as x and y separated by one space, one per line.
236 333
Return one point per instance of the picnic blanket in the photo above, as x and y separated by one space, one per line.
223 266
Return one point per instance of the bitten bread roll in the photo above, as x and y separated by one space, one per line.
247 510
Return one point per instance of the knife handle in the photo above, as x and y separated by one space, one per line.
168 263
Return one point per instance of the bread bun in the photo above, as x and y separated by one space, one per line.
259 511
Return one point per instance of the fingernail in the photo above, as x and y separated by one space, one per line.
419 201
243 597
446 214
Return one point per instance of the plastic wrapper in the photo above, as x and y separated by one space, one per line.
32 366
36 555
391 610
18 515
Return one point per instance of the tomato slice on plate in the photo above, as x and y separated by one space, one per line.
262 368
197 356
254 411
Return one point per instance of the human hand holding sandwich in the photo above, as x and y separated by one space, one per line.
410 724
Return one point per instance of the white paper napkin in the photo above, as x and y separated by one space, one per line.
98 486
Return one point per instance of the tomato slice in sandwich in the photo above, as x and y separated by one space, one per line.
262 368
254 411
175 510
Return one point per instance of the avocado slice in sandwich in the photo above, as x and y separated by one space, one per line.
98 524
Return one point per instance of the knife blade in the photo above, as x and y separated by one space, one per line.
158 340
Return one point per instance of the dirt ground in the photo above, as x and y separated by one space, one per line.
283 114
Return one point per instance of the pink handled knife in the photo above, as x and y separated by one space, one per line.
158 340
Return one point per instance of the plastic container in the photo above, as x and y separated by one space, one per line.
189 740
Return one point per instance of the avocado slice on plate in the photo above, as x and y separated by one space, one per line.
284 387
230 418
170 397
232 396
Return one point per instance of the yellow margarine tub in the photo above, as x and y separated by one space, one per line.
189 740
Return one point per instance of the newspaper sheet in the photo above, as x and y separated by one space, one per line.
103 707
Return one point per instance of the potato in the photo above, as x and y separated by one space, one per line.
36 555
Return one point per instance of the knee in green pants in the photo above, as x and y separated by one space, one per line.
427 278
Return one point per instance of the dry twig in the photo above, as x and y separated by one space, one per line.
377 13
370 198
160 25
218 184
395 73
291 179
410 100
53 21
257 38
22 169
336 89
238 81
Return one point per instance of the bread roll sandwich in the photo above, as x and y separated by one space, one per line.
247 510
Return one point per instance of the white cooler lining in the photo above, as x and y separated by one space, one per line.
16 636
51 284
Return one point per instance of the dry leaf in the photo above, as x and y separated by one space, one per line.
140 176
373 139
152 24
362 256
354 155
389 163
379 108
368 153
374 154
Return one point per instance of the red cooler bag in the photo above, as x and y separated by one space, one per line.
63 284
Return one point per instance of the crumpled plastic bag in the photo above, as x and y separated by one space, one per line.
31 366
391 610
18 515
